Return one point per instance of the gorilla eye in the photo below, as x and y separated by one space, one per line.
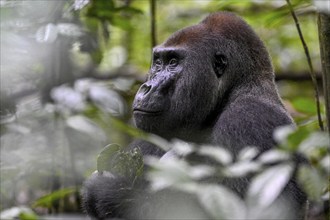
173 62
158 63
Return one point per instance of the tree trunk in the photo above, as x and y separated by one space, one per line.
324 36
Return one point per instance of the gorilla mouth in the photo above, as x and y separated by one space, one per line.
146 112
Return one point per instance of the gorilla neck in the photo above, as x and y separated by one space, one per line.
264 89
200 135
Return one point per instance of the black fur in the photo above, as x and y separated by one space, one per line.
209 83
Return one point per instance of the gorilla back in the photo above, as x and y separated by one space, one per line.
208 83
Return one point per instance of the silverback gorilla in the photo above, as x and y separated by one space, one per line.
209 83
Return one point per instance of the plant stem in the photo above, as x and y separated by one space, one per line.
311 69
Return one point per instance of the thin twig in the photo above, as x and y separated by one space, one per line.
311 69
153 23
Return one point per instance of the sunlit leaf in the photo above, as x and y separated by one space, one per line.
241 169
79 4
247 153
166 173
169 155
273 156
220 202
269 184
67 98
281 133
182 148
294 139
47 34
325 163
313 183
107 100
316 145
85 125
175 172
69 29
158 141
219 154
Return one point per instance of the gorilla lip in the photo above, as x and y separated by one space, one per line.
146 112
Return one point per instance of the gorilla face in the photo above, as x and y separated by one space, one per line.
195 71
181 90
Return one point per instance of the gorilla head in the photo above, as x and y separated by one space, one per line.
196 71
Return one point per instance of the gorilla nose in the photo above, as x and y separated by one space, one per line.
144 90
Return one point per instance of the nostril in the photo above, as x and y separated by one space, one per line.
145 89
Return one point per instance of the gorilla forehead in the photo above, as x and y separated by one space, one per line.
216 26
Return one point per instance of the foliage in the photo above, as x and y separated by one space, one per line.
49 200
69 71
271 171
22 213
119 162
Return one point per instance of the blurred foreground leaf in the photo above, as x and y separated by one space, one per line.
48 201
22 213
219 154
220 202
268 185
175 173
312 182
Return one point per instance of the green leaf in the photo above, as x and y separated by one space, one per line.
220 202
134 132
28 216
122 23
47 201
269 184
128 9
294 139
304 105
120 162
20 212
312 182
106 157
316 145
281 134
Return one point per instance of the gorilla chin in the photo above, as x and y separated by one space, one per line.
148 120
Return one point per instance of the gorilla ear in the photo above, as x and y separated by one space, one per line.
220 64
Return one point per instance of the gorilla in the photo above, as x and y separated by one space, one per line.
211 83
